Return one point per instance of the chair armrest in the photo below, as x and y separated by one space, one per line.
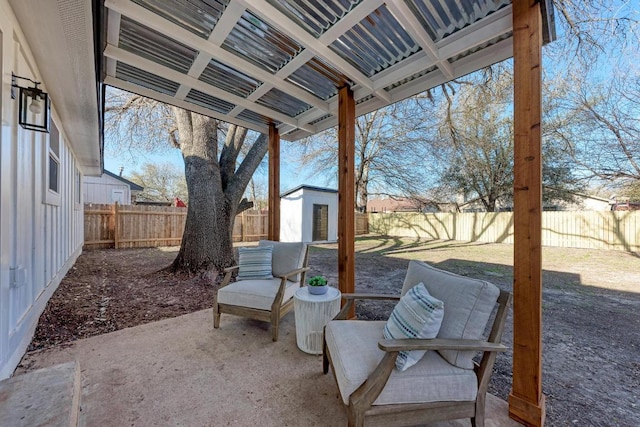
293 273
227 275
370 296
439 344
229 269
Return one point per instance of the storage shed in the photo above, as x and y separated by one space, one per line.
110 188
309 214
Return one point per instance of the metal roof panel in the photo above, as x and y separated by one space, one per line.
375 43
197 16
150 44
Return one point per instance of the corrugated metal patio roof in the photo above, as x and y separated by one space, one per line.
282 61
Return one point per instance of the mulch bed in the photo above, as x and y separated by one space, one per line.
108 290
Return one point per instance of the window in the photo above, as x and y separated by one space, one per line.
54 158
51 167
78 188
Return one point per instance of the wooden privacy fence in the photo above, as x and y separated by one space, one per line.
133 226
128 226
589 230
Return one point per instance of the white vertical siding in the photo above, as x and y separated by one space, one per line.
290 212
40 235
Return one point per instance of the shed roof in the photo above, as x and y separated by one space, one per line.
132 185
308 187
253 63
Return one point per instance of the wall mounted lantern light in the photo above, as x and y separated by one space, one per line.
33 106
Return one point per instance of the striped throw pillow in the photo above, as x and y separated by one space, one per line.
417 315
255 263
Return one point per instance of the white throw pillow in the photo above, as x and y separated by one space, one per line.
417 315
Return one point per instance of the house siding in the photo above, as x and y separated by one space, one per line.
41 233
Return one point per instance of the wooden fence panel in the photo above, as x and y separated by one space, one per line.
362 223
618 230
129 226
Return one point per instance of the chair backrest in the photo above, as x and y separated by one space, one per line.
468 304
287 256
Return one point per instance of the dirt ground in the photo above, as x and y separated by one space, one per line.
591 300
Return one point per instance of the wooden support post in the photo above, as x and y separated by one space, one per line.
526 401
274 183
346 192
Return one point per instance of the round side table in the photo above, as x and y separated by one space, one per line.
312 313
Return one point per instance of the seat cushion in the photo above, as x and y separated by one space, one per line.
255 293
287 256
255 263
468 305
417 315
353 346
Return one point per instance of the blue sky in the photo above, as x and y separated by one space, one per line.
290 177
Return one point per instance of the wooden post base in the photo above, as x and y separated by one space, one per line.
525 412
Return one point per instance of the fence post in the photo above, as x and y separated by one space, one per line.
116 226
242 224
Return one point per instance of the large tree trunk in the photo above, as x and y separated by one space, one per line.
215 189
206 242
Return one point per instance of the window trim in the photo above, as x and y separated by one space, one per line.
52 197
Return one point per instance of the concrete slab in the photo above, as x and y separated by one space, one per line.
45 397
183 372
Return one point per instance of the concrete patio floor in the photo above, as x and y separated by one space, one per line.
182 372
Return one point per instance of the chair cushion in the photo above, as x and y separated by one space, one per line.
255 263
353 346
287 256
469 303
417 315
255 293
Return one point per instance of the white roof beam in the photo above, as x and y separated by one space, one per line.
293 30
113 37
220 32
156 22
112 81
354 17
167 73
479 32
411 24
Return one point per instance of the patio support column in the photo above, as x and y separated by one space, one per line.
526 401
274 183
346 192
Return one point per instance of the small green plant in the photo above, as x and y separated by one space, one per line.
317 281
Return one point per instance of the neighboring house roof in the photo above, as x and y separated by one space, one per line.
400 204
132 185
308 187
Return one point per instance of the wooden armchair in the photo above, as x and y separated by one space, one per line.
265 299
445 384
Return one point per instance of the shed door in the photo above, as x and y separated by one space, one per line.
320 222
117 195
